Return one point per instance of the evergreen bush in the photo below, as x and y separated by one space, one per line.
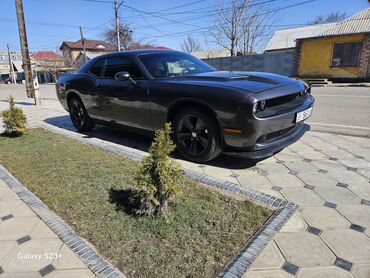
14 120
159 177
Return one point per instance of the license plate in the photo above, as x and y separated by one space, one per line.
301 116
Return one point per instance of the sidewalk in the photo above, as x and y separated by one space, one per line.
327 175
28 247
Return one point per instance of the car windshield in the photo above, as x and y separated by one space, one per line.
162 65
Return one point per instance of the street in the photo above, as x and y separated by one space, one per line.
342 110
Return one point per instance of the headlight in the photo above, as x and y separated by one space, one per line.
263 105
260 106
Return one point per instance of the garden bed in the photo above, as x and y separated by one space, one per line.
87 187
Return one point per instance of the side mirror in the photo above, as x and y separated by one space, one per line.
122 76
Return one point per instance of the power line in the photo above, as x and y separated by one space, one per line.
43 23
255 15
154 26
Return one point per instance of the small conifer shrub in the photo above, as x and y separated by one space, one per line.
159 177
14 120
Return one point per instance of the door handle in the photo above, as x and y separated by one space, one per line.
98 85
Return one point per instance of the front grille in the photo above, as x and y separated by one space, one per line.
276 134
273 136
281 105
281 100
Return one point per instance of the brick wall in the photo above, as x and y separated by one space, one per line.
364 67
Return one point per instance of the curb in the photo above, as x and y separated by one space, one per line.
341 130
99 266
255 245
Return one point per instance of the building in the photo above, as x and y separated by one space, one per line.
340 53
71 50
285 39
16 58
47 64
80 59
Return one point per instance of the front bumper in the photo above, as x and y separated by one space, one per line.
289 139
264 136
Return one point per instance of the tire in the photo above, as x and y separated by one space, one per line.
79 116
196 135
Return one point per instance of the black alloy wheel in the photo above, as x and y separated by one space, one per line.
196 135
80 119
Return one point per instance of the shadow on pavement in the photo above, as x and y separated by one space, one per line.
142 142
21 103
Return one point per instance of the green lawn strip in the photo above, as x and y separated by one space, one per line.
205 229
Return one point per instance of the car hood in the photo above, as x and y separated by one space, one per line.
251 81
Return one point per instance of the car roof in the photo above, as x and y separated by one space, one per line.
129 53
138 52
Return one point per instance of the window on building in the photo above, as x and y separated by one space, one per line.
346 54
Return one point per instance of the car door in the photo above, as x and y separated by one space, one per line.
122 102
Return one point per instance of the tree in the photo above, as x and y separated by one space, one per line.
190 44
256 28
125 34
159 178
14 120
243 26
331 17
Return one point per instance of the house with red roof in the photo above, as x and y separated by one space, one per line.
71 50
47 65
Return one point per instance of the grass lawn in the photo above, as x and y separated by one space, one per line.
202 233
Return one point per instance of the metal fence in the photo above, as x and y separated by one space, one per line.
279 63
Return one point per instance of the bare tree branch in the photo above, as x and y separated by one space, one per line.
331 17
126 37
190 44
242 27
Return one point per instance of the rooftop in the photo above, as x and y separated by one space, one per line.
285 38
358 23
89 45
46 56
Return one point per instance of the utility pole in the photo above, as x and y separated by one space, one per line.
117 24
83 43
12 79
31 93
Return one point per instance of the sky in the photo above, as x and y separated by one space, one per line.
159 22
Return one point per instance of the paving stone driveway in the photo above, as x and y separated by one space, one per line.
28 247
327 175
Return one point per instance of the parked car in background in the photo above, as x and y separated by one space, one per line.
211 111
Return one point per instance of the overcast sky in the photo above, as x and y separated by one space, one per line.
49 22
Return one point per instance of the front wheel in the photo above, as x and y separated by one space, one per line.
196 135
80 119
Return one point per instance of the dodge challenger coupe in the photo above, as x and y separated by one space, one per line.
211 111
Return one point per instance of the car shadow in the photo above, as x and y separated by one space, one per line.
142 142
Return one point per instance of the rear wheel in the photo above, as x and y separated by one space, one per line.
80 119
196 135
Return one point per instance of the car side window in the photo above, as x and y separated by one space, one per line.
96 69
114 65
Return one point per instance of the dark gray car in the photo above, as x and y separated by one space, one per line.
211 111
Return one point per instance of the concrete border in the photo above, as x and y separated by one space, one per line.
236 268
357 131
99 266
